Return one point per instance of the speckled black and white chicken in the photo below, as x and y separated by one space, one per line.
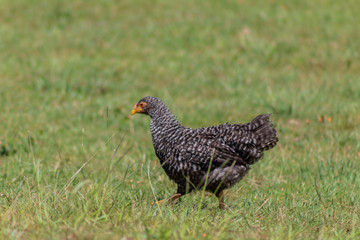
211 158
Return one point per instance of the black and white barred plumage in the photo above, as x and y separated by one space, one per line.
219 156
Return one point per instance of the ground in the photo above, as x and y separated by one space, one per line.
74 165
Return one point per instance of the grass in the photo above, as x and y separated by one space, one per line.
73 165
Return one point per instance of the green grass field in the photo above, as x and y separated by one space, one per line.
74 165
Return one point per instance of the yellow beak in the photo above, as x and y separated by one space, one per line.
136 109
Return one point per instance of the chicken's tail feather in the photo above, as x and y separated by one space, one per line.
264 136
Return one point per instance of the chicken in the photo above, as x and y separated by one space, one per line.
211 158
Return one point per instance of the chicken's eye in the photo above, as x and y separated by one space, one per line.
142 105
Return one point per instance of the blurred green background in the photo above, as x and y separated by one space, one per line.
71 71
